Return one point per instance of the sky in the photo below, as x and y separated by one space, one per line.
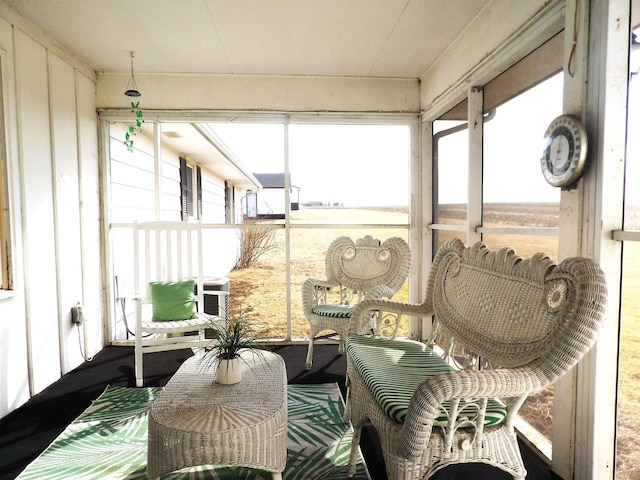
513 146
354 165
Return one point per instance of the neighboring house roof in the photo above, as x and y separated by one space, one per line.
271 180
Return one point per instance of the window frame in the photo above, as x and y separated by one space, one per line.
190 177
229 195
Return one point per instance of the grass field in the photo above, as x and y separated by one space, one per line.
261 293
628 456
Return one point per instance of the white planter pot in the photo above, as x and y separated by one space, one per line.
229 371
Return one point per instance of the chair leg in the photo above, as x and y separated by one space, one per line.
346 417
138 362
310 352
353 455
347 406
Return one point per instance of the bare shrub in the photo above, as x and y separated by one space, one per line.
254 243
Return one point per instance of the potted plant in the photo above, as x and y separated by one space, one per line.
230 339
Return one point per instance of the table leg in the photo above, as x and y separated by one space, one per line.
276 475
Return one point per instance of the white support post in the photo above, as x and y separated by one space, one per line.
476 132
287 230
596 89
570 236
157 159
421 211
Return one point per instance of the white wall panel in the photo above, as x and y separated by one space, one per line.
37 196
90 213
14 385
67 201
14 375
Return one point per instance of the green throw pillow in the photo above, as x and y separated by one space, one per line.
173 300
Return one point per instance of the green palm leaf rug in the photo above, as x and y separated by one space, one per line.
109 441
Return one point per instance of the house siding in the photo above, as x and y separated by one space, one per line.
132 198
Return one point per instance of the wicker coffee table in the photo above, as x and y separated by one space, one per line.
194 421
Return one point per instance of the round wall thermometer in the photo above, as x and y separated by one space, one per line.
565 151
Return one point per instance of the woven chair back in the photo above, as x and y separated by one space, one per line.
366 263
512 311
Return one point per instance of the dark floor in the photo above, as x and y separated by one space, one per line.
27 431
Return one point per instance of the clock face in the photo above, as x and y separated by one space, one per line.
565 151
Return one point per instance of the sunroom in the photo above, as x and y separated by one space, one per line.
418 119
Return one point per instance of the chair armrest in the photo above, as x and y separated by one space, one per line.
139 299
380 291
362 313
314 290
316 283
425 403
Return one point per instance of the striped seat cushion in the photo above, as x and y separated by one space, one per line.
335 311
407 363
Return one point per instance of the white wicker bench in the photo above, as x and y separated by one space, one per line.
504 328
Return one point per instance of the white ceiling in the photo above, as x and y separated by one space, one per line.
364 38
353 38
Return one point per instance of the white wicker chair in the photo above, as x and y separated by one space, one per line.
169 252
505 328
354 271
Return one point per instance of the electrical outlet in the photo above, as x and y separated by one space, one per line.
77 315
